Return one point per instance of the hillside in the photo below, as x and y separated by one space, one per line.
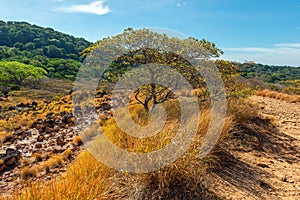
56 52
269 73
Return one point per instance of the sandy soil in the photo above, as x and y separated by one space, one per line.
264 157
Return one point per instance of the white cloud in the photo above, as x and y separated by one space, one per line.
280 54
288 45
180 4
96 7
250 49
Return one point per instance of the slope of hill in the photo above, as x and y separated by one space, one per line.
268 73
56 52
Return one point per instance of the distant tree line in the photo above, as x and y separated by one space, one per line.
269 74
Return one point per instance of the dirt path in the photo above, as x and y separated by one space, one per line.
264 162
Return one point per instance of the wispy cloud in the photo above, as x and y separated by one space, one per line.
280 54
96 7
250 49
288 45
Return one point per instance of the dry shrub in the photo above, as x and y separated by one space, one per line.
68 153
54 161
37 157
242 110
280 96
28 172
77 140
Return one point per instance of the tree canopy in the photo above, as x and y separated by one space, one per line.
143 47
17 73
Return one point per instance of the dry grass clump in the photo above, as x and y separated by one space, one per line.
54 161
37 157
67 153
28 172
241 110
3 134
77 140
280 96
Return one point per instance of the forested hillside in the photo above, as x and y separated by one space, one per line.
270 74
56 52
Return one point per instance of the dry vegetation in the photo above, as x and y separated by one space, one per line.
280 96
28 172
11 120
89 179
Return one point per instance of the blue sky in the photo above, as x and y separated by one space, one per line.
266 31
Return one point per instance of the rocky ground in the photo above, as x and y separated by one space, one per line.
44 139
264 157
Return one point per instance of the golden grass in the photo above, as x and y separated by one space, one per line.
77 140
28 172
241 110
54 161
37 157
85 179
89 179
280 96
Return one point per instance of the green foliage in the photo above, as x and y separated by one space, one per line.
269 74
145 47
22 36
57 53
17 73
291 87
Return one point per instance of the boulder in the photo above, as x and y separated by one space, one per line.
49 115
57 150
68 118
9 159
38 145
48 130
19 132
9 139
49 123
60 141
40 138
104 106
34 103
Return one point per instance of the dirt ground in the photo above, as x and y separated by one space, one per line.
264 157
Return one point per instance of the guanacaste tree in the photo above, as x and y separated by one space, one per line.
144 47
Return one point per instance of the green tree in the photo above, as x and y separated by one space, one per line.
144 47
17 73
